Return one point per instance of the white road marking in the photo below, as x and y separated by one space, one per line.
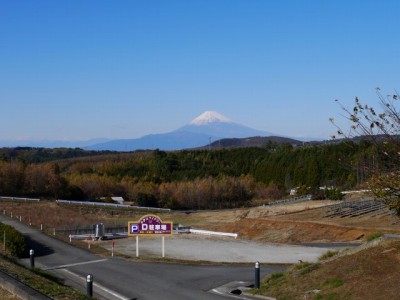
76 264
107 290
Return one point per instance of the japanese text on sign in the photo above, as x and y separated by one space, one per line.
149 225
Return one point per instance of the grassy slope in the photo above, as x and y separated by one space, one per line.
371 273
40 280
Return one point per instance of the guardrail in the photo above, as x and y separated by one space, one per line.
206 232
91 203
19 199
289 200
107 236
111 205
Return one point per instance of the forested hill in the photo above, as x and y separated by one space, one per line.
37 155
186 179
256 141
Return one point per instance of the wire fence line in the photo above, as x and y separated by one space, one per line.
290 200
357 208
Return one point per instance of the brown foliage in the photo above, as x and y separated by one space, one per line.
96 186
11 178
42 180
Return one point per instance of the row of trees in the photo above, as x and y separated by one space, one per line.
33 180
192 179
211 193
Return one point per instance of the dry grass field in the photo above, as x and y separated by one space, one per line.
296 223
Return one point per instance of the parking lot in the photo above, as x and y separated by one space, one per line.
204 248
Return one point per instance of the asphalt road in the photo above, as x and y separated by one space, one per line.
119 279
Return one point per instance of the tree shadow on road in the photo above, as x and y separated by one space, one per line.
40 249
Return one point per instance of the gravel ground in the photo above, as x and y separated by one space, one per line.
201 248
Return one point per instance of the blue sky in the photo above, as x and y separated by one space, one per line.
76 70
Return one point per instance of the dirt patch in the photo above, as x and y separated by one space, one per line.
294 232
295 223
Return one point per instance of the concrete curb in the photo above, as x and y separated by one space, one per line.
20 289
241 287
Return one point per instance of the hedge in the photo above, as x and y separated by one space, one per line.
15 241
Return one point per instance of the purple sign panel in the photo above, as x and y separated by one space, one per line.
149 225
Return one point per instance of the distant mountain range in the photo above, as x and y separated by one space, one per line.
206 128
51 143
210 129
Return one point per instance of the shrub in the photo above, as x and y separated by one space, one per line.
147 200
333 283
328 254
302 265
305 267
15 241
330 296
274 277
333 194
374 236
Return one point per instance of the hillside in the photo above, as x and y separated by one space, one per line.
256 141
372 272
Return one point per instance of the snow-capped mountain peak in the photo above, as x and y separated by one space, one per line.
210 125
210 117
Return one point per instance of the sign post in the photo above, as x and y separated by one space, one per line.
163 246
149 225
137 246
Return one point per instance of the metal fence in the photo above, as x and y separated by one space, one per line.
289 201
88 229
357 208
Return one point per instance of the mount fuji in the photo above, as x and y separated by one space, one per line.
207 127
